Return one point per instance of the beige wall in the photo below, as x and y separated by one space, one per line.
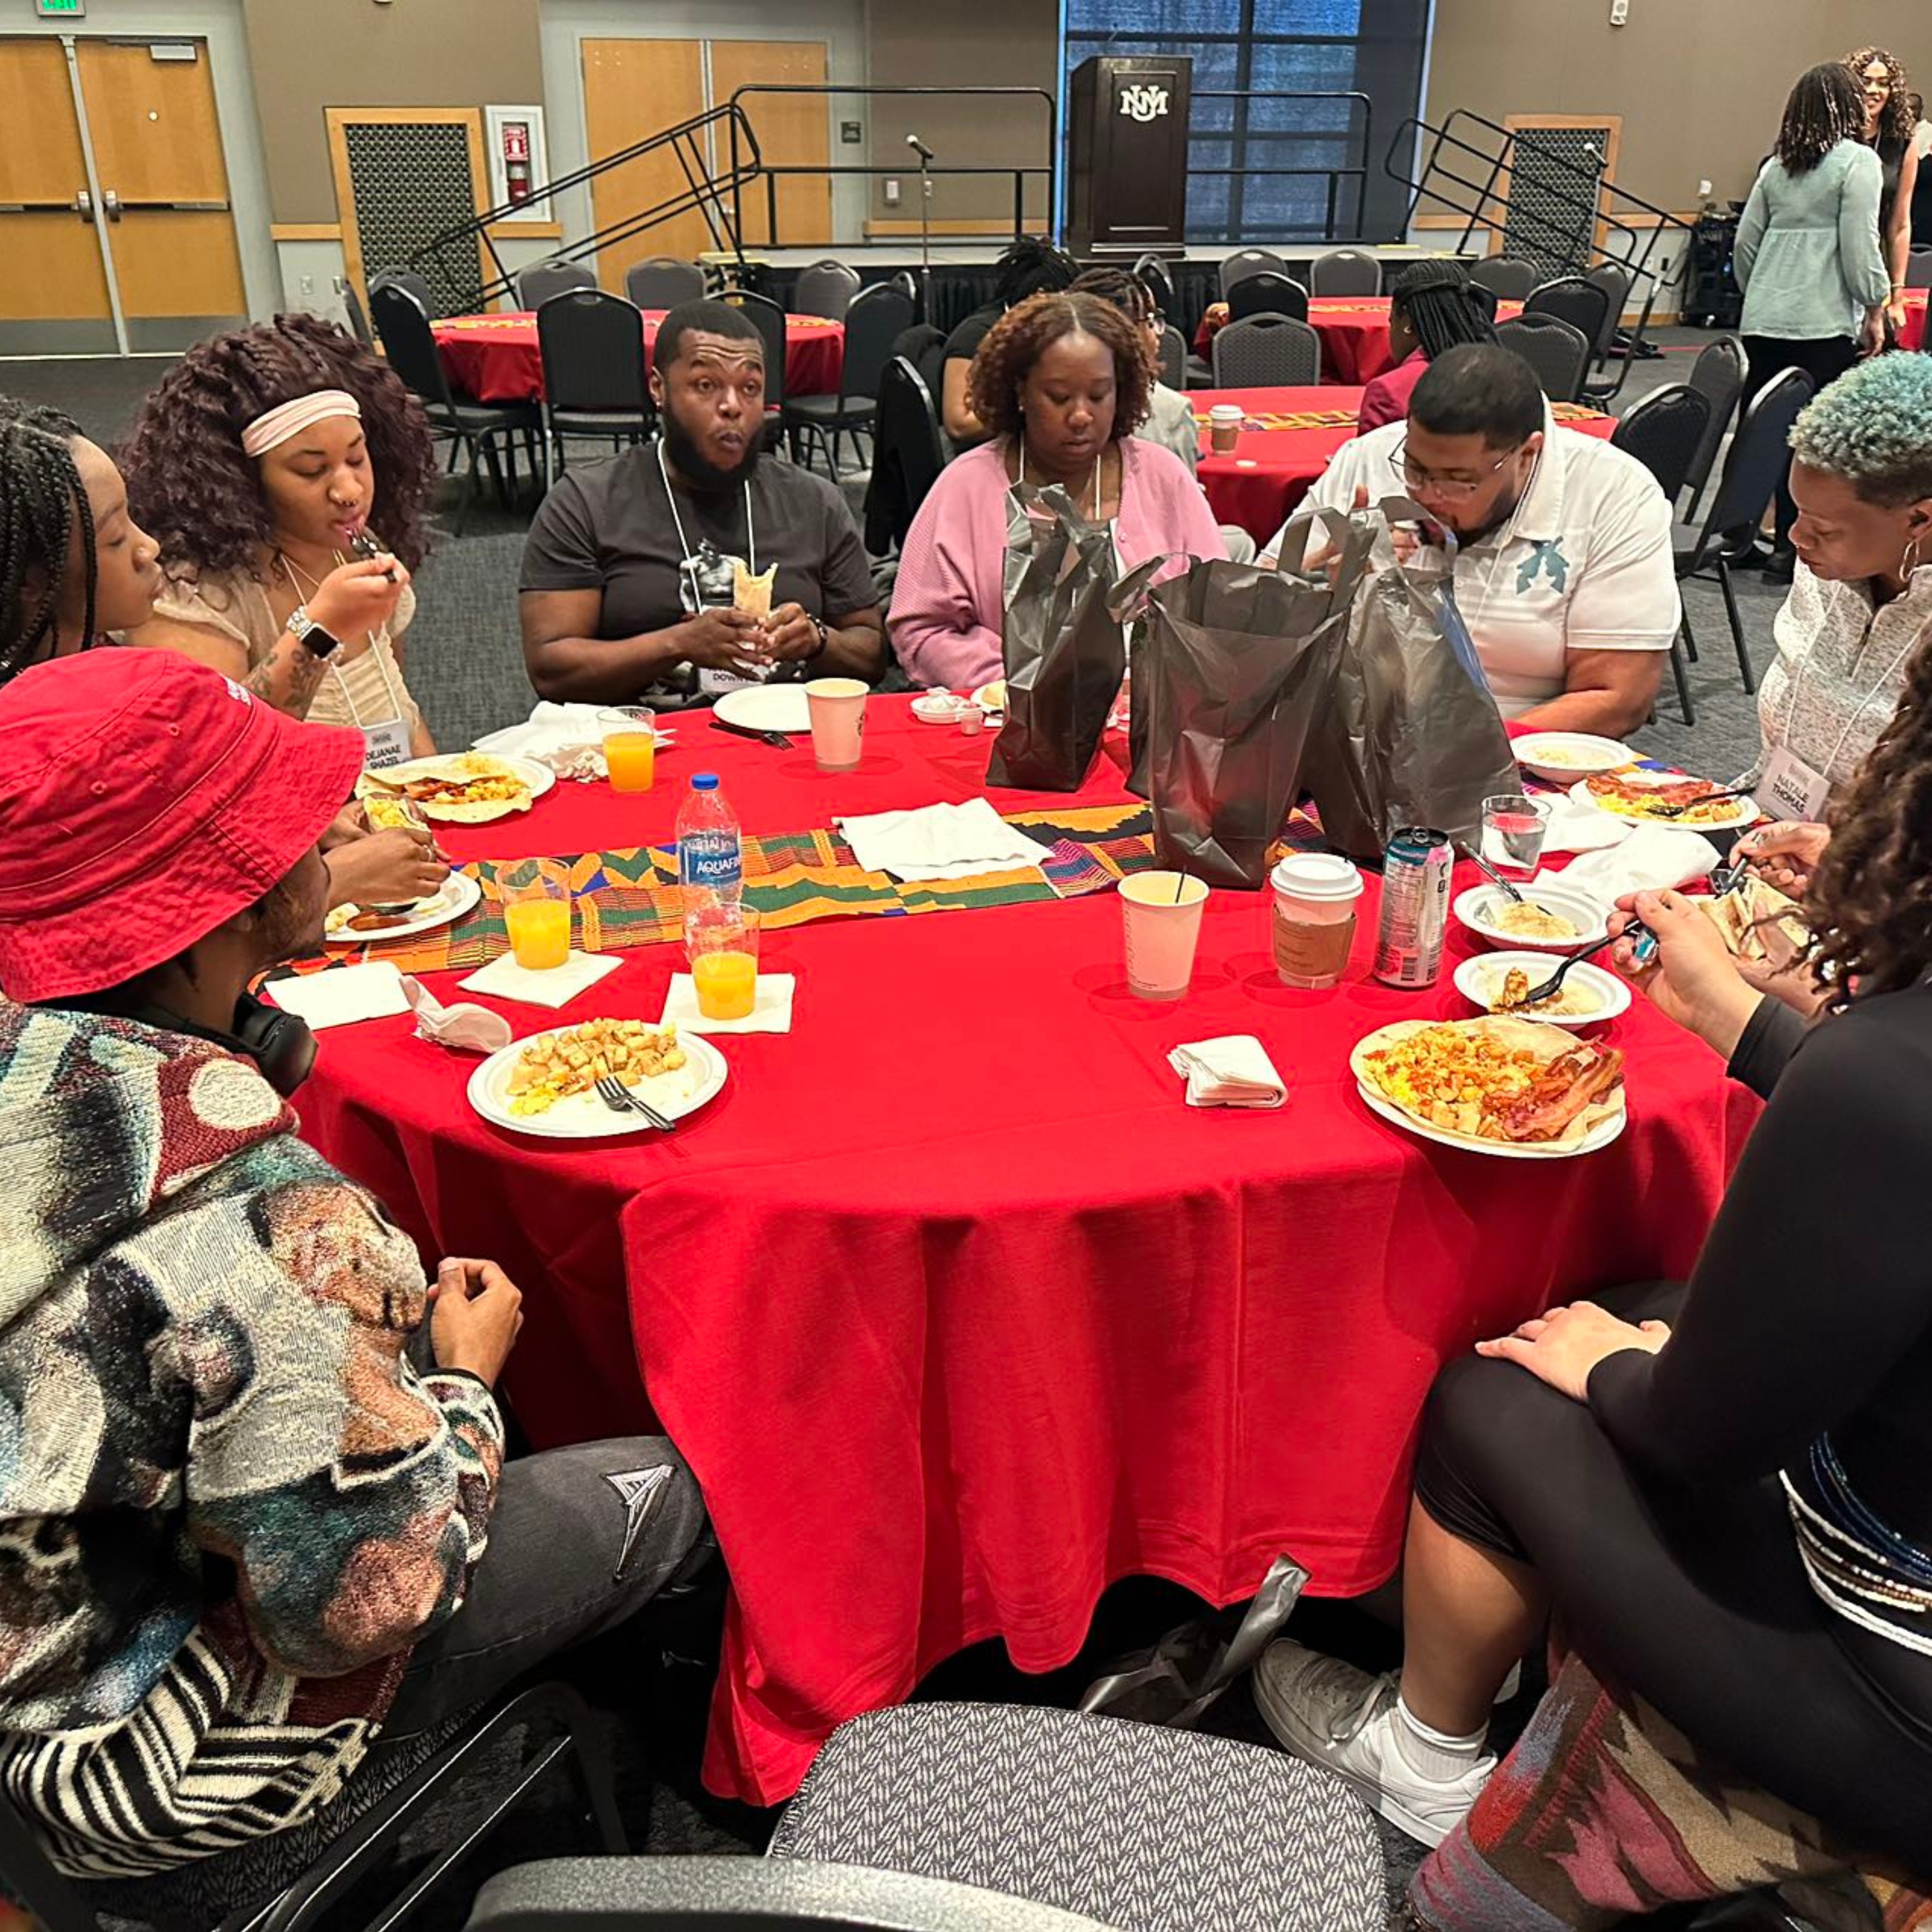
961 43
417 53
1700 84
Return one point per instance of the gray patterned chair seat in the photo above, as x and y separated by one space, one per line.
1145 1829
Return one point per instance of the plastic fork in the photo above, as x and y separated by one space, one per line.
1640 936
620 1099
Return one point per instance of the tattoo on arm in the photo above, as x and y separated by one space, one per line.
289 678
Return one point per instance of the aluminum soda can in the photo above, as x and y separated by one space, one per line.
1415 907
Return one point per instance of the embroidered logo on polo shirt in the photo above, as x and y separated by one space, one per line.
1547 559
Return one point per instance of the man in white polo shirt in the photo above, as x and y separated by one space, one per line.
1563 568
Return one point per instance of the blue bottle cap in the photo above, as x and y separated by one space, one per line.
704 781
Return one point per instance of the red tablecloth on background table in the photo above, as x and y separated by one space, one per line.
1913 335
1353 331
494 358
959 1314
1286 441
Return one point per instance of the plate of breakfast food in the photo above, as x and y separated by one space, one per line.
992 697
1496 982
1517 1088
357 925
1553 917
1564 757
465 788
1651 798
546 1085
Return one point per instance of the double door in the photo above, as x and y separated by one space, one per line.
115 227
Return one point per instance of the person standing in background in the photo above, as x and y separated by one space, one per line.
1808 255
1921 195
1890 126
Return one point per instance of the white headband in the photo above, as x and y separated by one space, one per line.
287 419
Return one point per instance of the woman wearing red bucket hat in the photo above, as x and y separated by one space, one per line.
252 1460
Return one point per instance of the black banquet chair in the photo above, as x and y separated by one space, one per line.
827 289
875 321
1246 262
1151 272
536 284
663 282
1719 374
1582 304
405 278
908 453
1267 352
594 372
476 429
1172 356
1615 281
1268 293
1511 277
1345 272
1557 350
355 315
1918 267
768 319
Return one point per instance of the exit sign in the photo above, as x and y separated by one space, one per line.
67 10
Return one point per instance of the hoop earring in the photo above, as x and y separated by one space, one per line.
1909 560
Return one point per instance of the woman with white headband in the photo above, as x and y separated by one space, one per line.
263 463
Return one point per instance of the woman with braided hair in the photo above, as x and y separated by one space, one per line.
1432 308
1889 127
74 562
261 462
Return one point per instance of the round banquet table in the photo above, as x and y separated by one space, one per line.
958 1313
495 358
1912 335
1287 436
1353 331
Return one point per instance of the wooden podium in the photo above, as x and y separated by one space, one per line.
1127 153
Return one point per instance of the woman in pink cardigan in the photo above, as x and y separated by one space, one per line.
1062 381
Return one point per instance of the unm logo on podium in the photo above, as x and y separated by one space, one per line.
1144 103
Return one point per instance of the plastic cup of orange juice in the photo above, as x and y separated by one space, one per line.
536 914
722 943
630 747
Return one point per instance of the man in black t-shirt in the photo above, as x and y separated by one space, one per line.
632 569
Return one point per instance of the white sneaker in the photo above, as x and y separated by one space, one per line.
1338 1717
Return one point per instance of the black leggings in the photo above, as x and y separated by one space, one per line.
1824 359
1695 1599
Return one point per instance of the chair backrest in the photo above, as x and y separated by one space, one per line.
663 281
1267 293
1760 453
1511 277
653 1894
1345 271
1267 352
827 288
1246 262
1173 357
1486 298
1150 271
592 346
358 316
1919 266
1718 373
1557 350
1571 299
769 320
405 278
536 284
908 453
1614 282
52 1901
403 323
924 347
1663 432
873 323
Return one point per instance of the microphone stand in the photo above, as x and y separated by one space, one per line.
925 236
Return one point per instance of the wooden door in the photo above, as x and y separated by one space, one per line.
793 130
53 289
157 140
633 89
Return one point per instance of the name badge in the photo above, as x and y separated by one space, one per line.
716 683
384 745
1791 789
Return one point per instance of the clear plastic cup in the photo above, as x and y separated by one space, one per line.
838 708
630 746
721 941
1514 827
536 915
1162 911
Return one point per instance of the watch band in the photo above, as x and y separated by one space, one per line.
313 638
818 650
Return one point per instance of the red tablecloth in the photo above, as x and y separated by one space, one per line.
1353 331
494 358
1913 335
957 1313
1288 439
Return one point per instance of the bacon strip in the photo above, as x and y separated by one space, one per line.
1560 1090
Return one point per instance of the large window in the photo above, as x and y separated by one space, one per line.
1264 165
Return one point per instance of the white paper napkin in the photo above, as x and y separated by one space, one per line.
771 1006
1652 858
504 980
939 841
465 1027
1581 828
550 729
342 994
1234 1071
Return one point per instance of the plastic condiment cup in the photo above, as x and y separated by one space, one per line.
838 708
1163 916
1224 427
1313 918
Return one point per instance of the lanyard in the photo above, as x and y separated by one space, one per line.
1857 710
684 542
335 669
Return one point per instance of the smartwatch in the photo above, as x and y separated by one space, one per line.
313 638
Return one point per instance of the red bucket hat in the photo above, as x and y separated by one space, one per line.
144 799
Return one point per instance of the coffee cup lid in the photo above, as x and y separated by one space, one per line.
1318 876
1225 412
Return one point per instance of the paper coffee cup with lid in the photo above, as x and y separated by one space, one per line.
1313 917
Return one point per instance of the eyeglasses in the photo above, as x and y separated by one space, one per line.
1449 489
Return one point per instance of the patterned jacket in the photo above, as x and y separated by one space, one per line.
228 1505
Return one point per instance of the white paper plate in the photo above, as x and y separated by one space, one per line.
537 775
457 894
1605 1131
583 1116
1563 757
1737 812
1474 977
766 707
992 697
1472 908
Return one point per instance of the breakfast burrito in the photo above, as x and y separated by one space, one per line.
470 788
752 594
1758 922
